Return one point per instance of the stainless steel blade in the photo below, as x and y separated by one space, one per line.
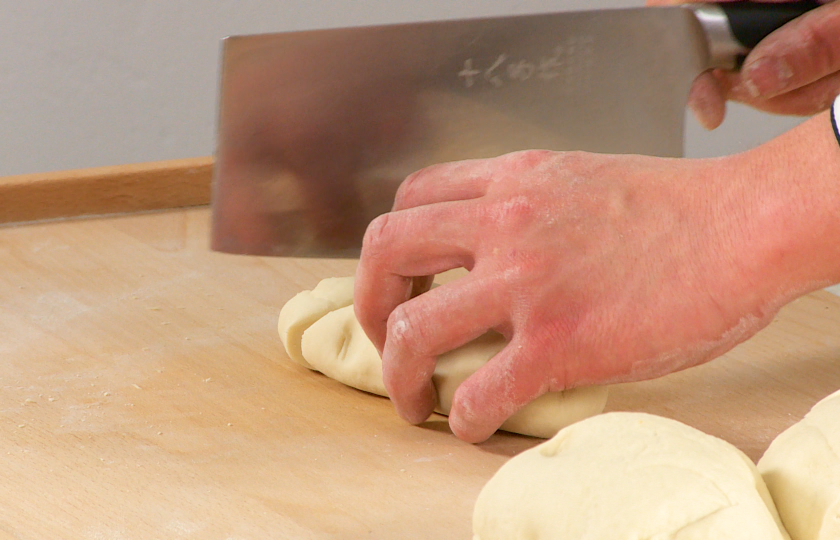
317 129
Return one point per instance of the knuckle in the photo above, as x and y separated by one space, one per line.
816 44
525 270
512 213
817 37
580 161
404 331
527 159
519 209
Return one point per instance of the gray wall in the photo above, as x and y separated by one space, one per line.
85 83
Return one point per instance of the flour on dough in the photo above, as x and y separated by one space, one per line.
307 307
337 346
628 476
802 470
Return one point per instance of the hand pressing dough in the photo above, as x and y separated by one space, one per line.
307 307
628 476
337 346
319 330
802 470
543 417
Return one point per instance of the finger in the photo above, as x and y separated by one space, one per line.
410 243
806 101
459 180
801 52
707 100
440 183
491 395
425 327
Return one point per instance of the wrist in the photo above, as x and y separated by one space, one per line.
788 240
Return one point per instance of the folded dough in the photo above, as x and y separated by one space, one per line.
802 470
628 476
321 333
337 346
307 307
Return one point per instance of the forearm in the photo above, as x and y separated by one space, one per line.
790 212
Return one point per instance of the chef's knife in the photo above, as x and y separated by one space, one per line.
318 128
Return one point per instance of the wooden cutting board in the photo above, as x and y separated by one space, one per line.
144 393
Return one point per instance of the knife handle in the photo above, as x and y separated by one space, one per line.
734 28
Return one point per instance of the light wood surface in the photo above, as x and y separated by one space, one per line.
105 190
144 393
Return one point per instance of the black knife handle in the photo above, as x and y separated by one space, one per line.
733 28
753 21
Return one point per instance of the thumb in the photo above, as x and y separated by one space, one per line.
801 52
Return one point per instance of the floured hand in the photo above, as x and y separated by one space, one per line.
596 268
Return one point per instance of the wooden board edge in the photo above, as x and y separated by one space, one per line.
826 296
106 190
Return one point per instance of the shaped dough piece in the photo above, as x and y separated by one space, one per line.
628 476
307 307
802 470
337 346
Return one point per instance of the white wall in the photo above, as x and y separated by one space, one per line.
102 82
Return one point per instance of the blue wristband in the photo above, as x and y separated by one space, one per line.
835 118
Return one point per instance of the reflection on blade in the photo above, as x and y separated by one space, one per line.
317 129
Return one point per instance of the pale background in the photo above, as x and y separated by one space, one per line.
85 83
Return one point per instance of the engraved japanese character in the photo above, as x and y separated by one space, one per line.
493 78
551 67
521 71
469 73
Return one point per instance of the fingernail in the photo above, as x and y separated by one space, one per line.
766 77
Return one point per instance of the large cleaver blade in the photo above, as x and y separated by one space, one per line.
318 128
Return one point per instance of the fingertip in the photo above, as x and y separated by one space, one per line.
411 390
473 418
707 101
497 390
710 120
416 409
468 430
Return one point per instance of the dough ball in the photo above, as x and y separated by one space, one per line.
802 470
307 307
337 346
623 476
